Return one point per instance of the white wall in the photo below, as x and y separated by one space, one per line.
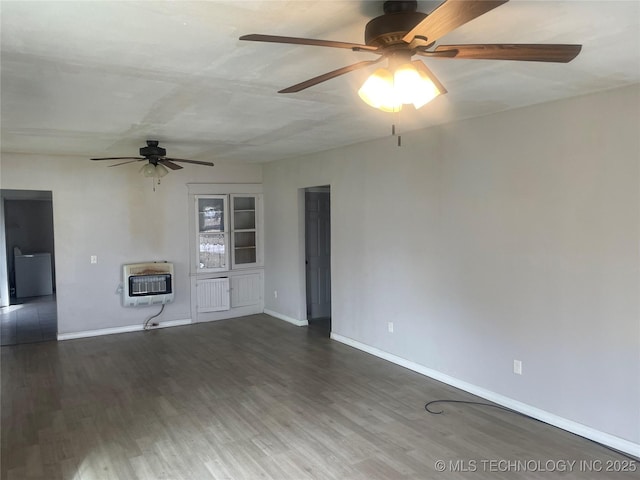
114 213
512 236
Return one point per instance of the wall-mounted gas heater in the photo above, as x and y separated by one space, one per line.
147 284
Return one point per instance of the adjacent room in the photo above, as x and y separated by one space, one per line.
320 239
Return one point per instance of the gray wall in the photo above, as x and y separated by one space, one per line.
115 214
512 236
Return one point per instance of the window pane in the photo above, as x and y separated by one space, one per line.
211 214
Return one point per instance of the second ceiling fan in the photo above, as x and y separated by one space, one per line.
155 155
403 32
157 161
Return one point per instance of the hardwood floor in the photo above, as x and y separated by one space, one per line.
250 398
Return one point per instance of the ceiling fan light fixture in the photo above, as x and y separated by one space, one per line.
410 83
148 170
378 91
161 170
430 87
407 83
151 170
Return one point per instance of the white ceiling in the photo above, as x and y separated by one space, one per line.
98 78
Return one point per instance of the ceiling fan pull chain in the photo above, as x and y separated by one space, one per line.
396 131
394 134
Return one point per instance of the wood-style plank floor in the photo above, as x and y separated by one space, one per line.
252 398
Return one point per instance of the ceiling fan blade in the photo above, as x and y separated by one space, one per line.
197 162
170 164
328 76
447 17
506 51
124 163
119 158
256 37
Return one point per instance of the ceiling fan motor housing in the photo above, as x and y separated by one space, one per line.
399 18
152 150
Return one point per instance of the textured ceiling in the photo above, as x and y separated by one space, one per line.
98 78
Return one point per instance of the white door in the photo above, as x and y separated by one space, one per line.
318 254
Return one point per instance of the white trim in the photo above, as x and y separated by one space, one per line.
555 420
125 329
299 323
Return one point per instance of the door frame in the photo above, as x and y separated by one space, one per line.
4 273
303 225
19 194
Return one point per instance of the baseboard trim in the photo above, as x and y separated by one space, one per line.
544 416
125 329
299 323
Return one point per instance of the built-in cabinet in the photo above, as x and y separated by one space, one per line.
244 231
226 236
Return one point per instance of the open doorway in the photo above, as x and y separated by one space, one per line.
318 257
28 309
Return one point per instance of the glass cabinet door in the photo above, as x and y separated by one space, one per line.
213 234
245 241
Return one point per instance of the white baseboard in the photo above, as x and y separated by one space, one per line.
125 329
299 323
569 425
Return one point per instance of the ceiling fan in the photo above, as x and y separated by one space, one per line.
403 32
157 161
156 156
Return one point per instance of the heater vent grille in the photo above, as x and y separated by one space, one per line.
147 284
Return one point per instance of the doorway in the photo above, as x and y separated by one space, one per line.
28 308
318 257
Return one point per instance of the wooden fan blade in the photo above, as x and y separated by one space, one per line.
328 76
170 164
124 163
505 51
447 17
197 162
256 37
119 158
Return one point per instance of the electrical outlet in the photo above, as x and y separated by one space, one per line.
390 326
94 259
517 367
275 294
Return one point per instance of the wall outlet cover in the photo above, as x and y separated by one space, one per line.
517 367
